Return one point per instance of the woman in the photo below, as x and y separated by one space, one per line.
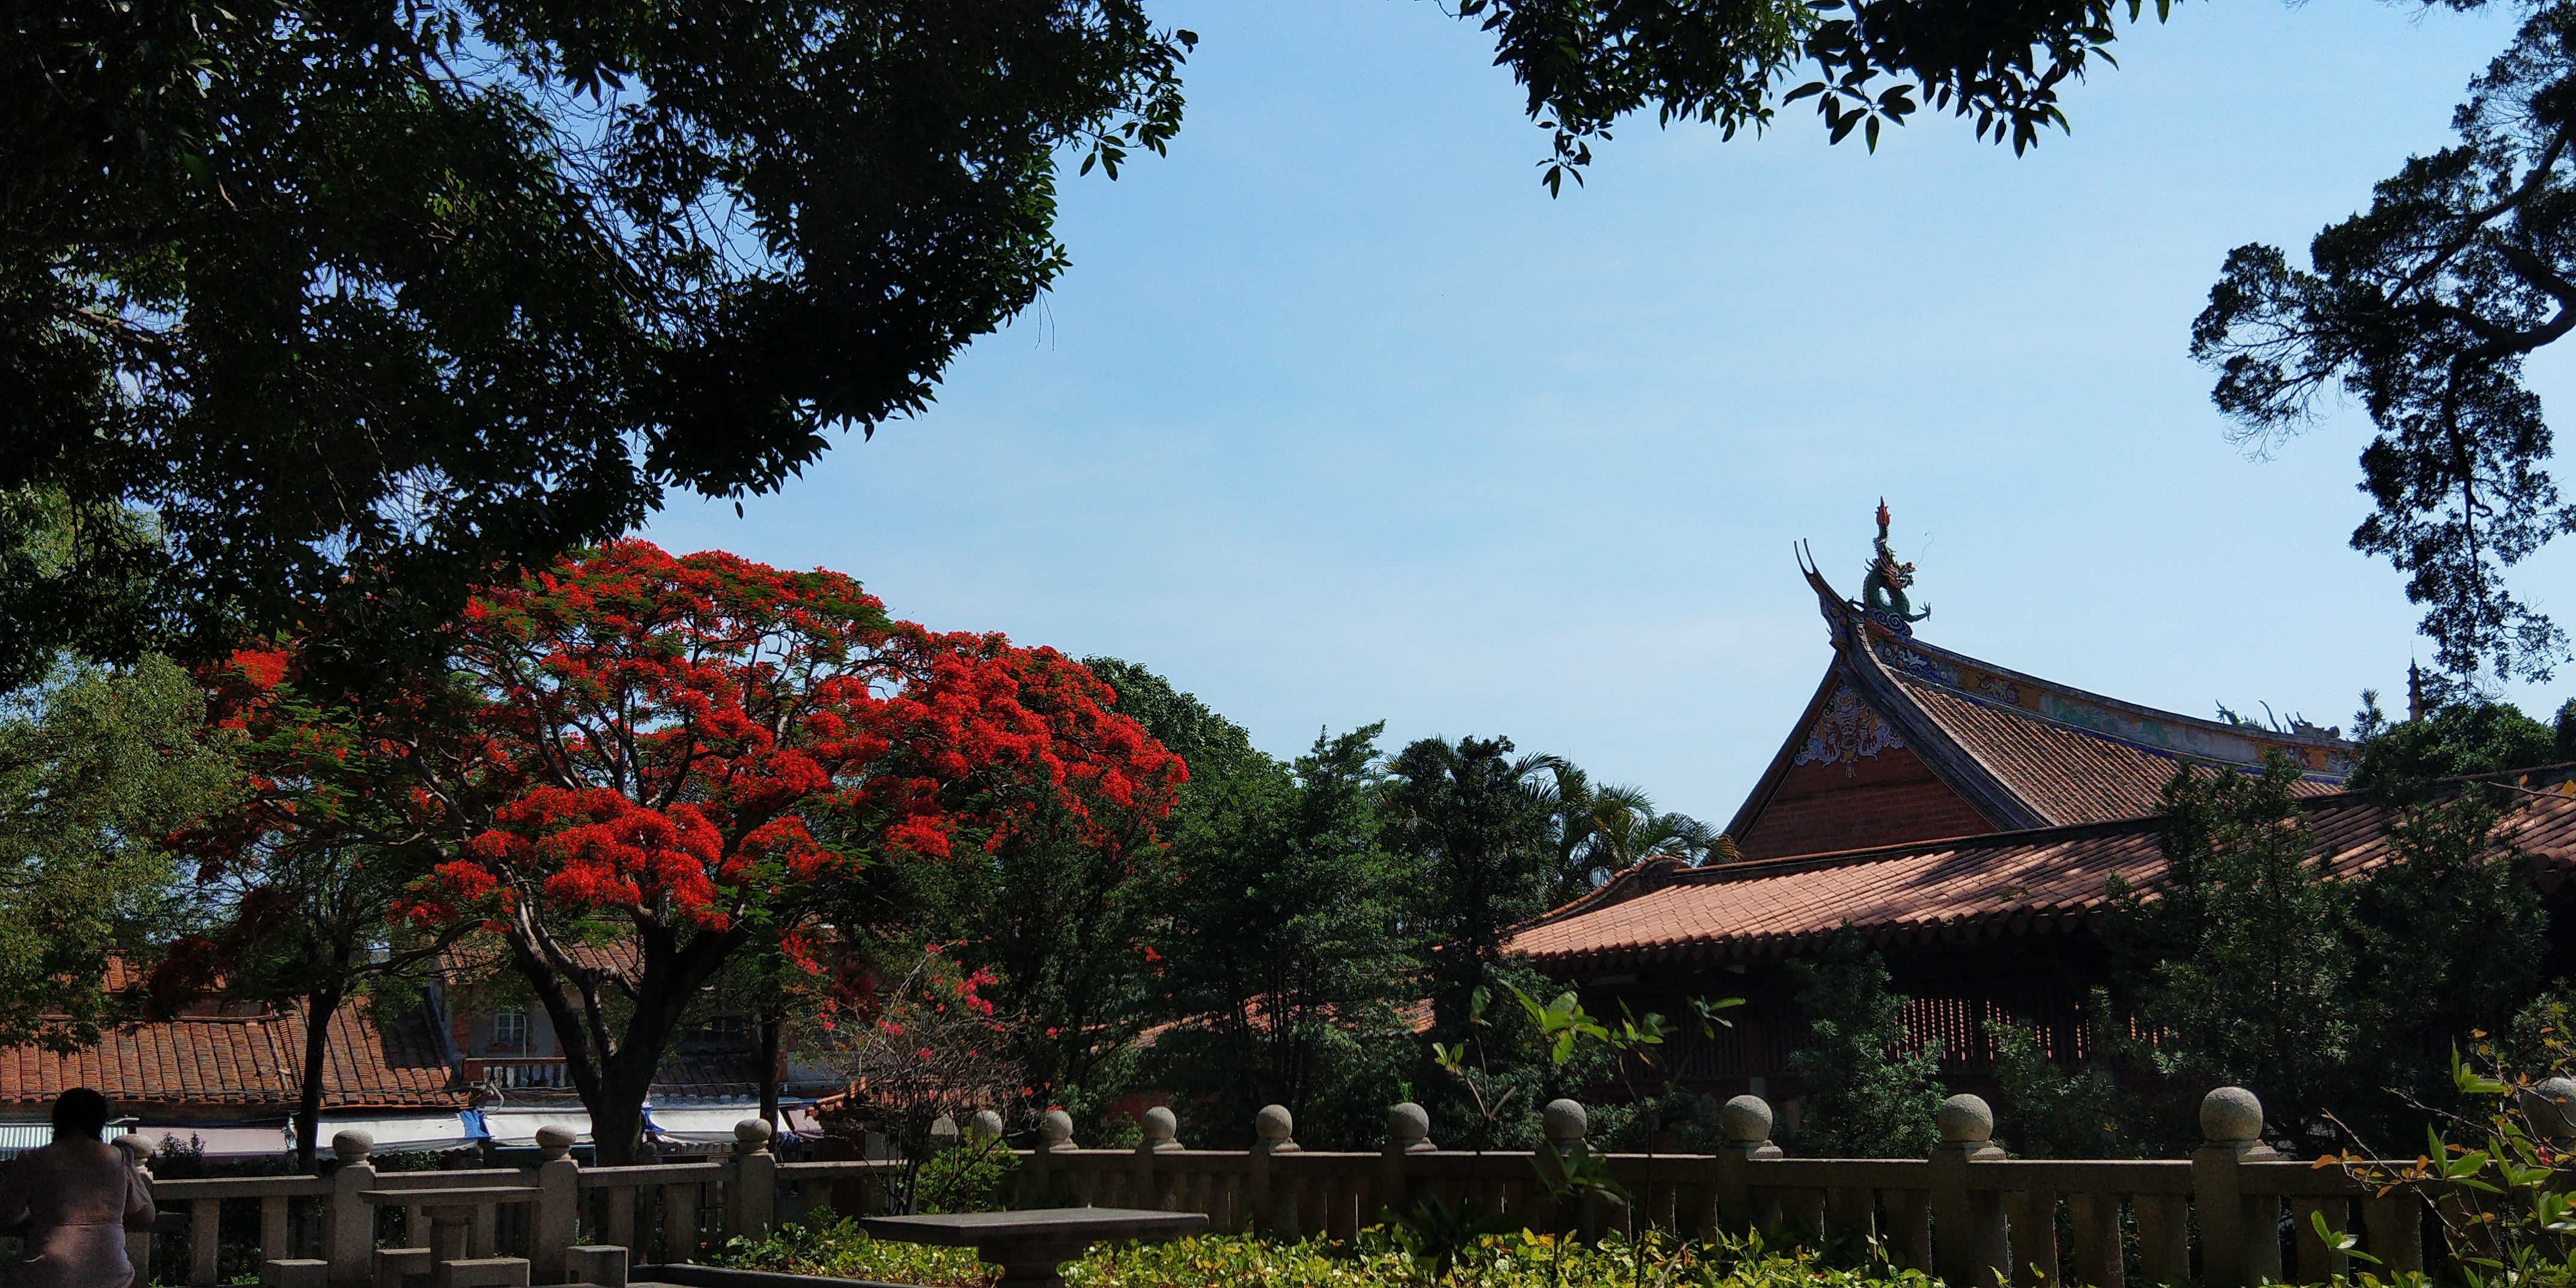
74 1200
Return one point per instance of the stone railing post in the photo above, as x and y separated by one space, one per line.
138 1243
1744 1124
1969 1244
1039 1184
2550 1104
1565 1122
1161 1135
555 1226
1272 1200
350 1245
751 1189
2240 1239
1408 1131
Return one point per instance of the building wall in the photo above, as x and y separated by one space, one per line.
1884 798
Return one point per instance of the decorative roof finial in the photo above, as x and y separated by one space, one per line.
1882 592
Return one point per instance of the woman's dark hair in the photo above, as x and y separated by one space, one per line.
80 1112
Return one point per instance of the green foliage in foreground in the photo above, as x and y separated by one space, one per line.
836 1246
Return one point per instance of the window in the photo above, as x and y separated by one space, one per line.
510 1029
729 1030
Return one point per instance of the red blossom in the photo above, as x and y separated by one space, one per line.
670 741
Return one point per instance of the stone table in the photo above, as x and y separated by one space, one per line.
1028 1246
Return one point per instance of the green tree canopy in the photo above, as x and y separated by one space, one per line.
367 303
2424 309
97 768
1476 823
2401 761
1871 1089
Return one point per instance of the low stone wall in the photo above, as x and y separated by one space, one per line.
2230 1216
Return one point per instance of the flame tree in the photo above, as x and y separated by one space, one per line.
677 759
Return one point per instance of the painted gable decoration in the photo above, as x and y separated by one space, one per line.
1846 731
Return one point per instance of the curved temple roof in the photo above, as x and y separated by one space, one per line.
2020 751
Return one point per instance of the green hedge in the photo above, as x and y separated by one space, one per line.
837 1247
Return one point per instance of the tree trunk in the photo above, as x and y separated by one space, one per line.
770 1022
617 1118
319 1006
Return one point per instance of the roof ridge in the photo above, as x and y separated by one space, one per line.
1750 869
1953 655
2015 709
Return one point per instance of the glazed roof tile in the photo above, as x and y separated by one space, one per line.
2040 881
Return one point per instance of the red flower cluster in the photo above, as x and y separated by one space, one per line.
696 742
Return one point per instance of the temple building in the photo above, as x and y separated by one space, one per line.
1961 817
1907 742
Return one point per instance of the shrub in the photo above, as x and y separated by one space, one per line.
836 1246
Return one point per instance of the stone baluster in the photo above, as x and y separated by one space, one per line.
1744 1126
1161 1135
351 1243
1041 1184
554 1223
1969 1241
138 1243
1273 1199
2240 1239
751 1187
2550 1107
1565 1123
1408 1132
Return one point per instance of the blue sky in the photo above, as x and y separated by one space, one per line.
1338 417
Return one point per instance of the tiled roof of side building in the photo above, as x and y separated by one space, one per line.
2033 882
247 1062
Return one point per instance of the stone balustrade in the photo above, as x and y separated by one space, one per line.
1966 1213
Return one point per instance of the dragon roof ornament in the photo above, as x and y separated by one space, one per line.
1882 591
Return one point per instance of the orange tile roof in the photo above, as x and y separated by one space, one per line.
2041 881
2068 775
242 1062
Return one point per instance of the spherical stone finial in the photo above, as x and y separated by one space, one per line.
555 1140
1162 1128
1564 1120
2230 1116
751 1135
1408 1126
1965 1120
352 1145
2550 1104
137 1147
1056 1129
987 1124
1745 1120
1274 1124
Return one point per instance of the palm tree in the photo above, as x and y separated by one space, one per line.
1607 829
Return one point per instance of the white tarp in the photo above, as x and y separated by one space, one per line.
220 1142
518 1127
696 1128
412 1132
